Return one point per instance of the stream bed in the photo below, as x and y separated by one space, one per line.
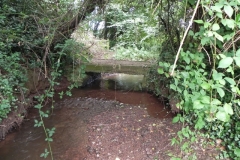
82 120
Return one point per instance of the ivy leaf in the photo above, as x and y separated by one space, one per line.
228 10
225 62
220 92
228 108
237 152
222 116
215 27
237 61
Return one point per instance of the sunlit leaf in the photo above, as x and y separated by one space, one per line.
223 21
215 27
230 80
222 81
228 10
218 36
206 24
225 62
228 108
230 69
230 23
205 85
216 75
205 99
222 55
209 33
223 116
234 89
197 105
219 15
237 61
217 8
221 92
216 102
238 53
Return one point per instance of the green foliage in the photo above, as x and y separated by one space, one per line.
135 54
33 35
206 78
76 54
8 82
12 79
45 154
132 30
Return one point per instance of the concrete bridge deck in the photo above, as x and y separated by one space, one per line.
118 66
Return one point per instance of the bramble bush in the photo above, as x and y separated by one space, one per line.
206 78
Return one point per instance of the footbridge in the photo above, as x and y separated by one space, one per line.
118 66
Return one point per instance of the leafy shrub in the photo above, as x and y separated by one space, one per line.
12 79
134 54
206 81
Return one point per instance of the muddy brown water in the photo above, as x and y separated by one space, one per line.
27 143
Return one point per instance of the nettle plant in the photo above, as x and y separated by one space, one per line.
206 79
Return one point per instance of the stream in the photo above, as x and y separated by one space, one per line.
71 114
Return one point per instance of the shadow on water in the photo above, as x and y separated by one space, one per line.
28 142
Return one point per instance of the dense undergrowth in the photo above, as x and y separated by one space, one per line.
36 34
205 80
